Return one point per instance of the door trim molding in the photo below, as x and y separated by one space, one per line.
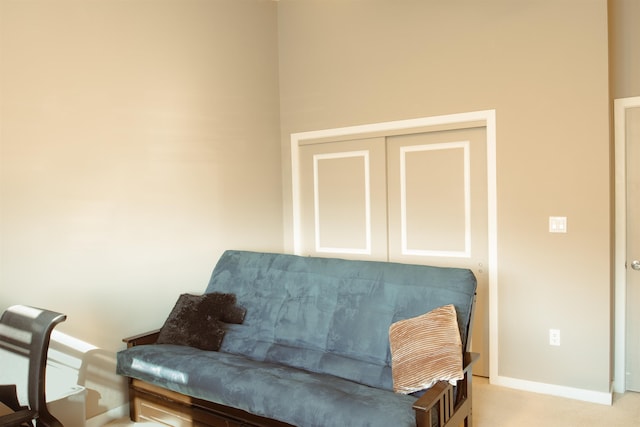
367 196
404 246
488 117
620 332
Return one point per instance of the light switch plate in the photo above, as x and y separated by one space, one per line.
557 224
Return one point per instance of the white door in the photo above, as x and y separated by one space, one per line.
437 193
632 138
418 197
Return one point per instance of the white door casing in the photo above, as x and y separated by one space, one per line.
627 318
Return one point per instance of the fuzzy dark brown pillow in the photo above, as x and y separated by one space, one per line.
197 320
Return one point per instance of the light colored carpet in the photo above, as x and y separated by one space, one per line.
126 422
495 406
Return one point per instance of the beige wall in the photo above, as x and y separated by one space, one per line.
624 46
542 65
139 139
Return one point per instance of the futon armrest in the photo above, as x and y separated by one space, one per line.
149 337
18 418
441 397
431 397
468 360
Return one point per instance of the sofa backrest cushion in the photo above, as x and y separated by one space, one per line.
330 315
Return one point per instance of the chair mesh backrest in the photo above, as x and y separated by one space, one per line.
26 331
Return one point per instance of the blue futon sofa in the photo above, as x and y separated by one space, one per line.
313 348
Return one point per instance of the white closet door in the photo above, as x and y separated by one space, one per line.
417 198
437 200
343 199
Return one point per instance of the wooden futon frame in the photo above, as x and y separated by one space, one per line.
438 407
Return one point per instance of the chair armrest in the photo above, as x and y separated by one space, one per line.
441 397
18 418
149 337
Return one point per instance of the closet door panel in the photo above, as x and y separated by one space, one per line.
438 197
438 212
343 199
432 215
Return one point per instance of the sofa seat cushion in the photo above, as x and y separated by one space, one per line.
267 389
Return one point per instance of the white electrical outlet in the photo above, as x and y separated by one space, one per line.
554 336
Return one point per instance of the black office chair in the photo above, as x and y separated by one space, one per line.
26 331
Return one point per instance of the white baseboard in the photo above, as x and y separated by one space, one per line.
604 398
106 417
